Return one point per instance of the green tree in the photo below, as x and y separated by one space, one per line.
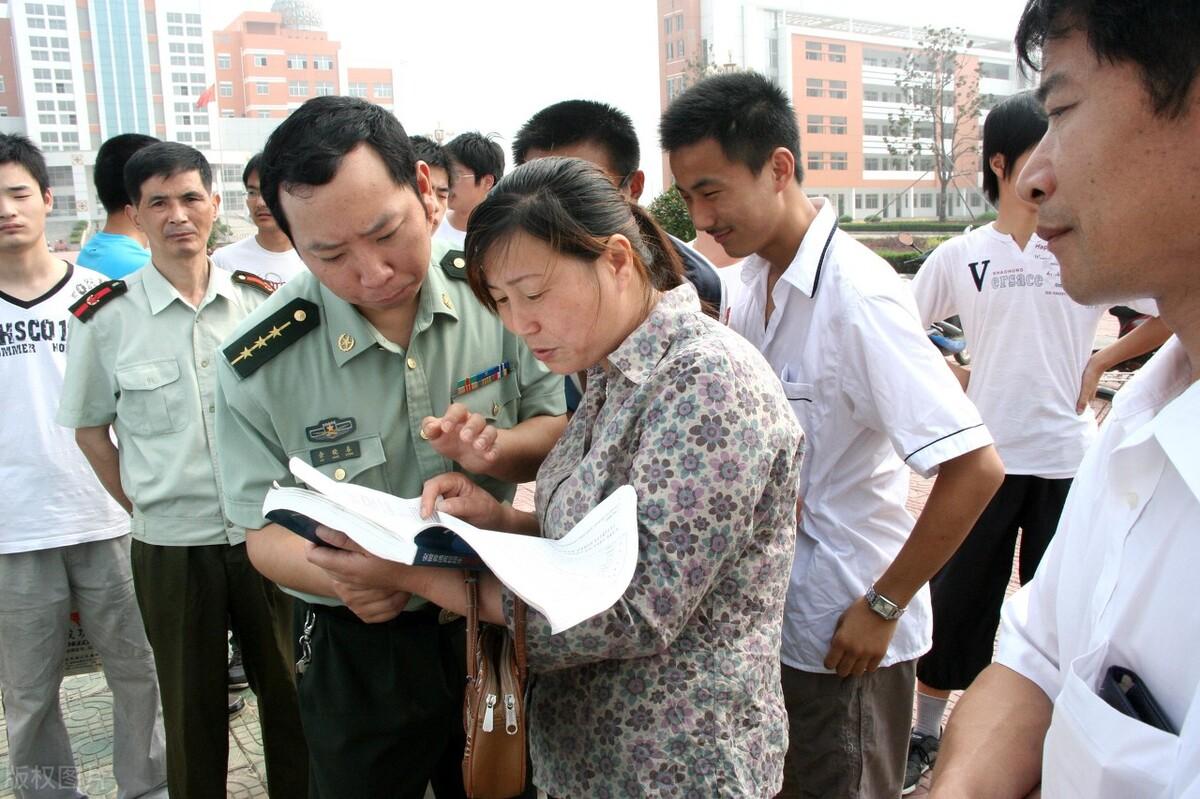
671 212
937 129
219 235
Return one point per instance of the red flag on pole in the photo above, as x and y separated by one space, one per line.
203 100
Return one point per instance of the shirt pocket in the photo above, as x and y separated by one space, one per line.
152 399
800 395
498 402
1094 750
347 461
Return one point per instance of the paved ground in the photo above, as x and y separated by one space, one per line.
87 707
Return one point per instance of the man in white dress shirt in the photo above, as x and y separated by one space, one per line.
842 332
1116 181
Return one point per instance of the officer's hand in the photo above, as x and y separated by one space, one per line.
456 494
368 585
860 640
464 437
372 605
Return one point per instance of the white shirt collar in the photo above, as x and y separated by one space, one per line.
804 272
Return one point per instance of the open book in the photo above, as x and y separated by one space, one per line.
569 580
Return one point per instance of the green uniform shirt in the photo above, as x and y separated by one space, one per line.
146 363
324 390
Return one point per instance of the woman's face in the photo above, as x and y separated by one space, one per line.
572 313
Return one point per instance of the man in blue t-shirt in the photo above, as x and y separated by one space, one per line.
119 248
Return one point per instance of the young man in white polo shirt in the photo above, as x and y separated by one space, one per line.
1029 344
873 396
1115 180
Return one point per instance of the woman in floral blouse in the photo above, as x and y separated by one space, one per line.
673 691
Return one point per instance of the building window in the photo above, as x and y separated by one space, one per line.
195 48
225 89
264 114
227 113
3 88
59 42
197 77
183 108
976 200
812 51
45 105
3 110
871 201
925 200
62 57
838 161
837 89
679 49
871 129
193 19
837 126
47 119
41 74
670 51
195 32
666 25
871 164
324 88
358 90
34 8
182 120
837 53
260 60
816 124
383 90
58 24
816 162
224 61
36 22
176 47
196 60
814 87
179 77
297 62
173 17
994 71
870 95
56 11
262 89
679 22
297 88
66 105
174 30
178 61
323 62
67 119
184 137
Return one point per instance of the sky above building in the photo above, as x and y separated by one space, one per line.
486 65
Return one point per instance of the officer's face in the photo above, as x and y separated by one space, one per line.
439 178
23 209
571 313
364 237
176 214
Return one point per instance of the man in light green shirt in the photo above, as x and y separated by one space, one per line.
380 369
142 362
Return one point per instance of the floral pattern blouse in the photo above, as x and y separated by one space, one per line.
674 691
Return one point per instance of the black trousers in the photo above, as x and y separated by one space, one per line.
969 590
382 705
188 597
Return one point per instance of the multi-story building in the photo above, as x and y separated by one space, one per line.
841 76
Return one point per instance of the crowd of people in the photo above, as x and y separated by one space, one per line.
410 318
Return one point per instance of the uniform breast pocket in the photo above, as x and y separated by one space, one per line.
346 461
152 399
497 402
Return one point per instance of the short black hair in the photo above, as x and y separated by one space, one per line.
252 166
109 172
1012 128
430 152
478 153
575 121
18 149
307 148
747 115
1158 36
164 159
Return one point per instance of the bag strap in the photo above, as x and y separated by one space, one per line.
519 638
472 582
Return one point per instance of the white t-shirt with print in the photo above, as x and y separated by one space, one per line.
449 233
248 255
51 496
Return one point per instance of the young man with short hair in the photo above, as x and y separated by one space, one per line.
1029 345
379 369
268 253
476 163
120 248
873 396
64 543
143 364
435 157
1105 634
603 135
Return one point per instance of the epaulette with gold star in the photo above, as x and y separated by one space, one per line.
255 282
89 303
454 264
272 336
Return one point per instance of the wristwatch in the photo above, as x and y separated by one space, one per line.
882 605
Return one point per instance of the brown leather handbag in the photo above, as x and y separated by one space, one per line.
494 704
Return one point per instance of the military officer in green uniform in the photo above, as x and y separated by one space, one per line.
379 368
142 362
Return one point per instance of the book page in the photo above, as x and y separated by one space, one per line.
394 513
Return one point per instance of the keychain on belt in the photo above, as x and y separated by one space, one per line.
305 642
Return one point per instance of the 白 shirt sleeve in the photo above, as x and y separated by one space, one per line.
933 289
899 384
89 396
249 455
708 451
1028 642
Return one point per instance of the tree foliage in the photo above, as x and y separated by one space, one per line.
671 212
937 129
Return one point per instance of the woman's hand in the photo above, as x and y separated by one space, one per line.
464 437
456 494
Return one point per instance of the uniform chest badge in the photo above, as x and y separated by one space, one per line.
475 381
330 429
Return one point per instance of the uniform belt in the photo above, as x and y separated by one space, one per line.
426 614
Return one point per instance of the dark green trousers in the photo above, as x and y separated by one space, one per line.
188 596
382 705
